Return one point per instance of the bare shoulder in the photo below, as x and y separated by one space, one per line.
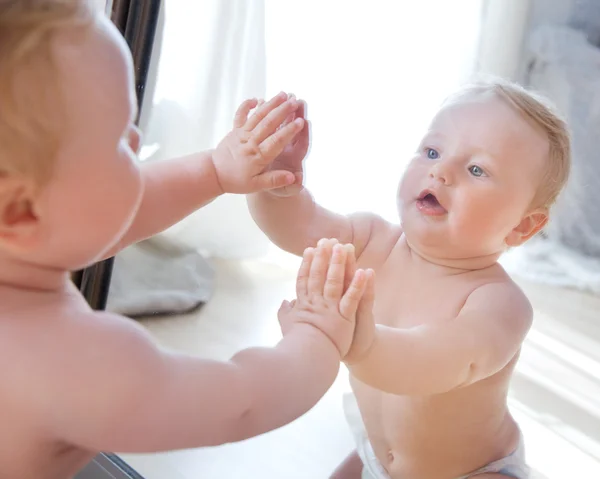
62 347
66 326
373 238
95 346
500 293
500 306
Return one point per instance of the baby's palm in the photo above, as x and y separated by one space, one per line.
292 157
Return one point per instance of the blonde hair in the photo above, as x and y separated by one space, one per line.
543 115
30 87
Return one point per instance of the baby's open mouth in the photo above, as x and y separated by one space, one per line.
428 204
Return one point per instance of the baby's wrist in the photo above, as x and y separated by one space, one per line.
210 159
317 337
354 358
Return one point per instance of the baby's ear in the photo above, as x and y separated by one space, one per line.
529 226
18 221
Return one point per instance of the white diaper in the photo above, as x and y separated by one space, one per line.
372 468
513 465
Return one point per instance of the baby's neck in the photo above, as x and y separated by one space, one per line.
455 265
22 275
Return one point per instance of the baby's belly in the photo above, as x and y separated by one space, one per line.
438 436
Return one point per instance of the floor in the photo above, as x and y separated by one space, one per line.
555 394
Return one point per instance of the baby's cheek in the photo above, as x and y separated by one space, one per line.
479 212
404 185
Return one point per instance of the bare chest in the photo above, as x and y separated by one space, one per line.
409 295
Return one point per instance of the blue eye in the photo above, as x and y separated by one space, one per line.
432 154
476 171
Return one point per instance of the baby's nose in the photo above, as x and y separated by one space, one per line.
440 173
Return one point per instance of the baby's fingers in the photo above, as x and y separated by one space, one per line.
283 315
350 264
241 115
365 306
334 283
263 110
351 299
270 180
319 267
274 144
303 272
292 116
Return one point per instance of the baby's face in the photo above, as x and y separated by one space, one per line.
96 187
472 179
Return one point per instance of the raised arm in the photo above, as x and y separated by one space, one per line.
174 189
448 353
291 218
123 393
297 222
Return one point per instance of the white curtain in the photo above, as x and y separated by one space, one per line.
212 57
208 56
503 33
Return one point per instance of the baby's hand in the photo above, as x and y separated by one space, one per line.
292 156
364 333
243 158
321 299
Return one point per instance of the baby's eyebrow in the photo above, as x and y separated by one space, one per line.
486 159
432 135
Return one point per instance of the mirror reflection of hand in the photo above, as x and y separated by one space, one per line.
292 157
243 159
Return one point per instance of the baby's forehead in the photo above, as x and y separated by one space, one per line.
487 121
481 109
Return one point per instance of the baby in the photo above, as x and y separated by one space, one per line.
74 381
431 362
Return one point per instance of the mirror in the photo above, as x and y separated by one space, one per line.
373 74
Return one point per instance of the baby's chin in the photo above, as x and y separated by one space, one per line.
443 247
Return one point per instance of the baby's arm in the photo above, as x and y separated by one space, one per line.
291 218
176 188
447 353
115 390
297 222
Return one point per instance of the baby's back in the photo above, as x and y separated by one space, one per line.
27 447
441 434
